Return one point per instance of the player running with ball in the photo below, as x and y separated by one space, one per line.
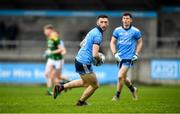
87 55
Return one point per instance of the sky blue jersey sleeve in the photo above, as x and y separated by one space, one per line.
97 40
115 33
138 35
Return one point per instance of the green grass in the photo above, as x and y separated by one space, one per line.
29 99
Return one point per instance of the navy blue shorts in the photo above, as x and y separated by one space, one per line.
83 68
125 62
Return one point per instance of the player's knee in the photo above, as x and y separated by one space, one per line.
121 78
126 80
95 86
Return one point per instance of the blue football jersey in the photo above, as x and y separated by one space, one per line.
126 41
85 53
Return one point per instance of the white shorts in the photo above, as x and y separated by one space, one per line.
57 64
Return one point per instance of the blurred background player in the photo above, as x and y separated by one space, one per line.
54 54
126 44
88 54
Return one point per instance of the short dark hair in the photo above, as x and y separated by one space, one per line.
127 14
102 16
49 26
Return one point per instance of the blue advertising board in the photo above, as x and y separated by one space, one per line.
165 69
34 73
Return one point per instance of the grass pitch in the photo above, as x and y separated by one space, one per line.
32 99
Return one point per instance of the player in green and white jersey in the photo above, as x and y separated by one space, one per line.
54 54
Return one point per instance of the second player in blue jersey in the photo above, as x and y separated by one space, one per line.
126 44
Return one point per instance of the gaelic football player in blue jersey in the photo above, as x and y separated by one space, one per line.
126 44
87 55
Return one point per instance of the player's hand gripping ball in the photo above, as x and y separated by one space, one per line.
103 58
100 61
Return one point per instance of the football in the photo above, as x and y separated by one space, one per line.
102 57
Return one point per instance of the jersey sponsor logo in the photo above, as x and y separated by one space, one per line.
125 41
